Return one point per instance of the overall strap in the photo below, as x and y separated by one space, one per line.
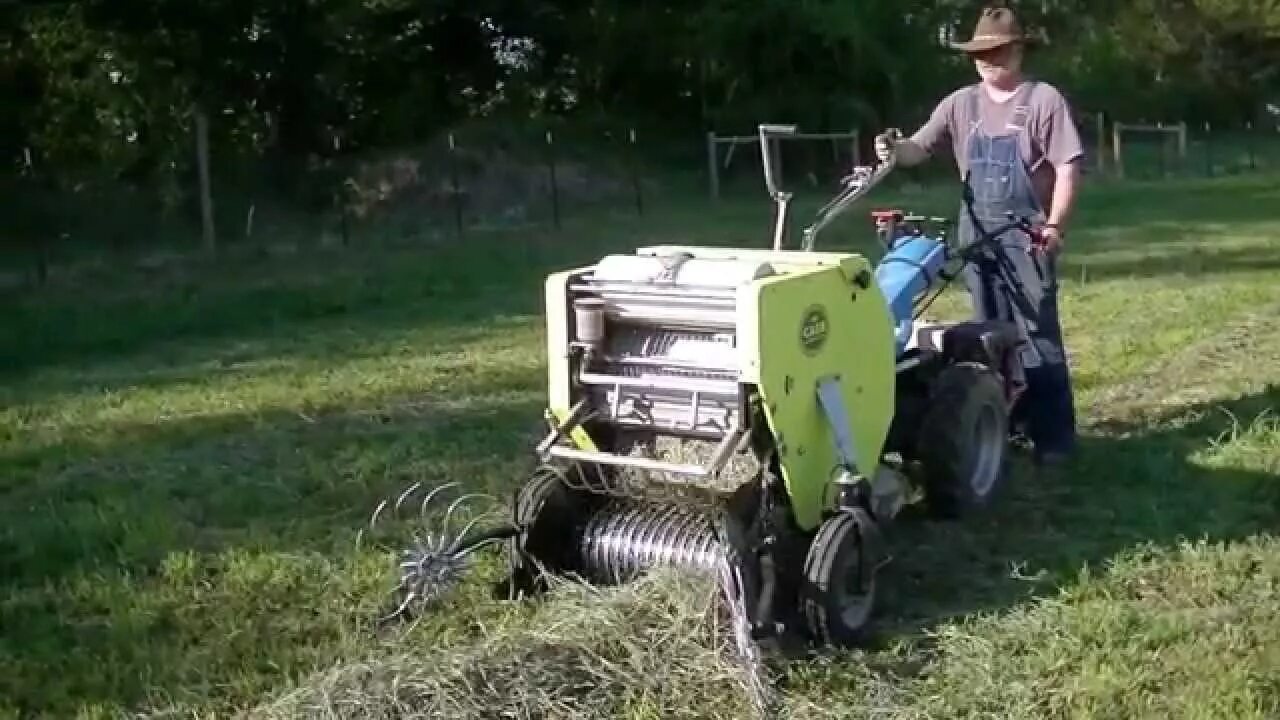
974 100
1021 107
1021 118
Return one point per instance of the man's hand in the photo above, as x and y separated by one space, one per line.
892 146
1064 198
1051 237
886 144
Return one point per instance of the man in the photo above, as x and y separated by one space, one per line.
1015 141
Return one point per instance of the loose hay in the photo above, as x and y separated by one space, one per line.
655 648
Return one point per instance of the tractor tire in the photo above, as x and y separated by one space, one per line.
963 446
836 607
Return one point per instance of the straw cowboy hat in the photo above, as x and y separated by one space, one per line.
996 27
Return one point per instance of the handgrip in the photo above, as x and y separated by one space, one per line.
768 129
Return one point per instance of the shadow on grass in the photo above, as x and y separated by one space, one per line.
276 478
1235 199
1194 261
217 550
53 329
126 311
1132 487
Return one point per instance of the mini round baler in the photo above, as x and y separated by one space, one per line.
759 414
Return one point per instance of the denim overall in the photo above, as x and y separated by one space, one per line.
1001 182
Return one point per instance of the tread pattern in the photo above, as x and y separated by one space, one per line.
944 440
839 534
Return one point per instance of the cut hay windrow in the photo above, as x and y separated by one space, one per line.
655 648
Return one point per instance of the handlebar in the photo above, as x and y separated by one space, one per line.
856 184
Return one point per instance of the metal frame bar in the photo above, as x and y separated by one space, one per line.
668 363
675 384
709 430
780 221
718 460
559 431
683 292
752 139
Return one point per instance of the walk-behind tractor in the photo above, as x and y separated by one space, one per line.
757 413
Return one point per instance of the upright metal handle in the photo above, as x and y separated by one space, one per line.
782 200
767 132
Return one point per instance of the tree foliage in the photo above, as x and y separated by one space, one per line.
111 85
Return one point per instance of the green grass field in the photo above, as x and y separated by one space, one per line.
188 452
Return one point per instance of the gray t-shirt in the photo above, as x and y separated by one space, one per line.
1051 140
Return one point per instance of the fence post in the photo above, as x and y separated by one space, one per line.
1164 150
1208 149
455 188
635 173
1117 156
1182 145
41 241
713 171
1248 139
555 189
206 190
1100 123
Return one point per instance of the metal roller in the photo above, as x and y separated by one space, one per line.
626 539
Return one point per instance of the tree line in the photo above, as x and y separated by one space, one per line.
114 86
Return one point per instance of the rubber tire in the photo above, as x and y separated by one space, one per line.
945 447
820 605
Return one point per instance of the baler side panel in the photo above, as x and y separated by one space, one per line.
809 325
558 314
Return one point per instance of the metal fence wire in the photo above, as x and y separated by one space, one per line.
538 177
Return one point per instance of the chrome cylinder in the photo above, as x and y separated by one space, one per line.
589 320
626 539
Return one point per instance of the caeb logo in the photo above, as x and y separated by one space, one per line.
813 330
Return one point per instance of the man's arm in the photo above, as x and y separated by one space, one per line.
910 152
1064 194
1064 151
932 136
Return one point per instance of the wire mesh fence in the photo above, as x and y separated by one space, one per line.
536 177
1144 151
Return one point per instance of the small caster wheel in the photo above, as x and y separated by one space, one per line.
838 590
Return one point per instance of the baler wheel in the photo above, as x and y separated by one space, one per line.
839 587
964 440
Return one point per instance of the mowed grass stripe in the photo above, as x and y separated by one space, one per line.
1242 355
